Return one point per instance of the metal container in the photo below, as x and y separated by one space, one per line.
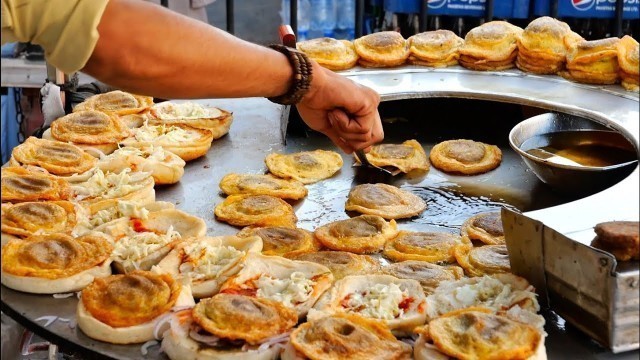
584 285
584 179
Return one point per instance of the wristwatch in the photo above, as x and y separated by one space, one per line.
302 75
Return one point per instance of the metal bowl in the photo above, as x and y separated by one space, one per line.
566 177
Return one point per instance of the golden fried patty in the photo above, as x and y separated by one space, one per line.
342 263
347 336
475 334
484 227
283 241
483 260
19 184
307 166
54 256
437 48
58 158
493 41
256 184
116 102
593 62
544 44
330 53
424 246
239 317
89 127
427 274
132 299
384 200
362 234
406 156
42 217
621 238
467 157
628 54
256 210
382 49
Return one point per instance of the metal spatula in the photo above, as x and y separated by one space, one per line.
362 157
369 173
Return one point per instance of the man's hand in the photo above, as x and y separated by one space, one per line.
341 109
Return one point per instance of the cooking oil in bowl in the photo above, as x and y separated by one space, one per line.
586 148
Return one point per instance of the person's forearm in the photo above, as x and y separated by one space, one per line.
146 49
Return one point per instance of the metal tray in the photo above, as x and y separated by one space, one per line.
253 135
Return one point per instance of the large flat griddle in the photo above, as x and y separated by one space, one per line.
450 199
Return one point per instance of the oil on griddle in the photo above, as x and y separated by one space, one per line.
451 199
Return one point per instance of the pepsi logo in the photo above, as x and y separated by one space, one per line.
436 4
583 5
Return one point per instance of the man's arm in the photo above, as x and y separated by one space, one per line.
148 49
171 56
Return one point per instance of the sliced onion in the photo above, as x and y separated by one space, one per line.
166 318
210 340
263 347
284 337
63 296
63 319
48 318
176 327
181 308
279 339
79 294
145 347
72 324
408 341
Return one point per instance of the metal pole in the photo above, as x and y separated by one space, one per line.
489 10
531 13
59 78
554 9
230 22
293 16
618 20
359 18
423 15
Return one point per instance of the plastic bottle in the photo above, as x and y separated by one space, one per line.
284 12
346 18
323 17
304 17
434 23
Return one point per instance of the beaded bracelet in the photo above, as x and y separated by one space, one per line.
302 76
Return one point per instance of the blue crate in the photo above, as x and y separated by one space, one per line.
504 9
600 9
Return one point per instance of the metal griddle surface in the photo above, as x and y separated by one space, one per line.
450 200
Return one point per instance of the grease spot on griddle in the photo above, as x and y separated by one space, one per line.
448 208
